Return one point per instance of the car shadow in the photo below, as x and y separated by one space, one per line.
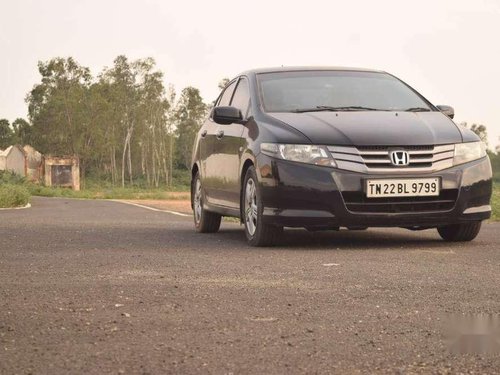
370 239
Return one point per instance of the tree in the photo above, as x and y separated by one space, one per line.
123 124
124 98
6 134
189 113
22 132
223 83
156 133
138 119
60 111
57 106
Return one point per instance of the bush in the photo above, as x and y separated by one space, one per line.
495 202
181 179
8 177
13 195
495 164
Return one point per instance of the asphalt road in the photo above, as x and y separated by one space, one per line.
103 287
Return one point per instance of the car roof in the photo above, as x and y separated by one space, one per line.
306 68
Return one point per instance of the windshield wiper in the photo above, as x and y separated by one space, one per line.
417 109
321 108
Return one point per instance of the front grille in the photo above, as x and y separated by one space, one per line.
385 148
356 201
376 159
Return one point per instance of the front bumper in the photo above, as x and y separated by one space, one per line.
302 195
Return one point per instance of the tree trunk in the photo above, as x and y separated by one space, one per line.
130 162
124 154
170 160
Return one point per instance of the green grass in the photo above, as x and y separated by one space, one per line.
108 193
13 190
94 189
13 195
495 202
181 181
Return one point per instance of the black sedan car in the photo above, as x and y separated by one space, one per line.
324 148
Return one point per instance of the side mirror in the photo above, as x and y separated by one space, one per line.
447 110
226 115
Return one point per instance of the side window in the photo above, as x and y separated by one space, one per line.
241 98
225 99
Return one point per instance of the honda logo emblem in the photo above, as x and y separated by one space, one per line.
400 158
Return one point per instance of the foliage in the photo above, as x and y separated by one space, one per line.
179 189
19 132
189 114
223 83
13 190
12 195
9 177
495 164
22 132
495 203
108 193
5 134
123 124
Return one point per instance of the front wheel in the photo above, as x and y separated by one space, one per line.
460 232
257 232
204 221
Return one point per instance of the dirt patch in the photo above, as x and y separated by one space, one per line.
181 195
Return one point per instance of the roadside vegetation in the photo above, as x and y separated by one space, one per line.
495 202
124 123
13 191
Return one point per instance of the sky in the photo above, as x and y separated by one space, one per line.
448 50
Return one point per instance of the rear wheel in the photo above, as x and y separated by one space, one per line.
460 232
204 221
257 232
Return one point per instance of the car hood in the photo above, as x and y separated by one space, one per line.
381 128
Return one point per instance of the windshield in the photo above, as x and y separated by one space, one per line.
304 91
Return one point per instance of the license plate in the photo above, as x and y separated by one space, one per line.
419 187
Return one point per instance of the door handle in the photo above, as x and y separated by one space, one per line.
220 134
203 134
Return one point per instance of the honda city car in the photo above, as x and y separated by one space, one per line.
325 148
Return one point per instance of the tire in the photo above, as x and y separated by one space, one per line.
204 221
258 234
460 232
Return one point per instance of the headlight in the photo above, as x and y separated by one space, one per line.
318 155
465 152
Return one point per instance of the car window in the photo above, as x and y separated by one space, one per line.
241 97
290 91
225 99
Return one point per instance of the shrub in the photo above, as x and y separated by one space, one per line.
495 202
8 177
13 195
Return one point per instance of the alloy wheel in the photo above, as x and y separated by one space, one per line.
251 207
197 201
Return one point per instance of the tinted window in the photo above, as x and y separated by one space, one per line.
241 98
289 91
226 96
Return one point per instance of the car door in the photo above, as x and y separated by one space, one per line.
212 180
228 148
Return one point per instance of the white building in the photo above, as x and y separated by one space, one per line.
13 159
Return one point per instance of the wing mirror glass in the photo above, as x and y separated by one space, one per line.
227 115
447 110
